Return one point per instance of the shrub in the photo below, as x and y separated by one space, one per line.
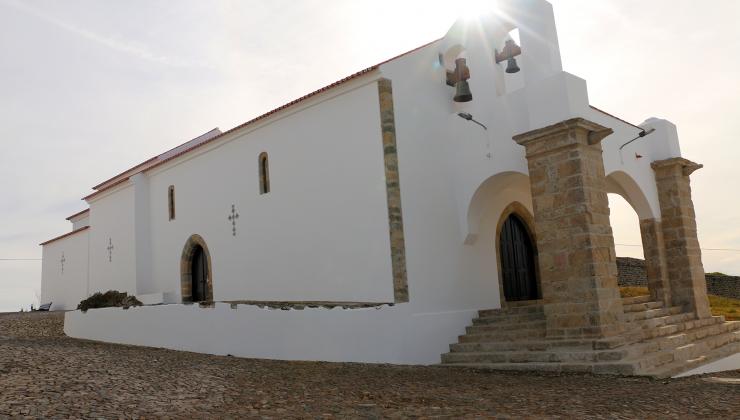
108 299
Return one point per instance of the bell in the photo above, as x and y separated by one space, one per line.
462 92
511 66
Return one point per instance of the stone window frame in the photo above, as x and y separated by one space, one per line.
171 202
522 212
263 165
186 267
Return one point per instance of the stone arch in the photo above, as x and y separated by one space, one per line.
507 186
186 276
651 236
525 216
621 183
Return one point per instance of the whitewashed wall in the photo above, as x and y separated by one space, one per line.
112 217
80 221
65 289
321 233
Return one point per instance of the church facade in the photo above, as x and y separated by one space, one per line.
375 219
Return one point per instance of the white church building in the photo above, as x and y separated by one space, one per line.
448 204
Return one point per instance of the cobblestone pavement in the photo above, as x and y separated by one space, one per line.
44 374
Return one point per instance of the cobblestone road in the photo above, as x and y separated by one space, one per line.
44 374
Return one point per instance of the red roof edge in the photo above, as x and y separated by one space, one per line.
256 119
121 181
127 170
269 113
78 213
65 235
614 116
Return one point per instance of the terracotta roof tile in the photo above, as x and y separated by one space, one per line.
65 235
78 213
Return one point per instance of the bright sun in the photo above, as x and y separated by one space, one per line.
475 8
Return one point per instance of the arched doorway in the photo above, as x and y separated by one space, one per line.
518 260
196 279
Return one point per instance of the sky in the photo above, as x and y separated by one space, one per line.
90 88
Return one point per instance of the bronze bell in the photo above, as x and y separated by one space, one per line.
462 92
511 66
461 76
510 51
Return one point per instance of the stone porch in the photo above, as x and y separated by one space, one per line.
658 340
582 324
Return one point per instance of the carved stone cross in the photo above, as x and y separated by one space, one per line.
110 249
62 261
232 218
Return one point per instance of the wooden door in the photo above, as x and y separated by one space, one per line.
517 261
200 275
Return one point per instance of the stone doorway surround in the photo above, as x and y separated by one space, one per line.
186 267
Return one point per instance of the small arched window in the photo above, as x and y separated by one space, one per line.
171 201
264 173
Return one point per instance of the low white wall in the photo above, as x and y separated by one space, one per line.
383 335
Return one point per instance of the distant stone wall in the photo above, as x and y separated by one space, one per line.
632 273
727 286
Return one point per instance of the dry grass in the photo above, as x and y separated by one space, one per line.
632 291
728 307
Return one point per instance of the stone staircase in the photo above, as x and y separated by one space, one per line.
658 341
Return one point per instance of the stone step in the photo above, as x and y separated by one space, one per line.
671 342
618 368
636 299
509 318
503 327
528 345
668 370
485 313
670 319
635 307
556 356
669 329
524 303
651 313
525 334
693 351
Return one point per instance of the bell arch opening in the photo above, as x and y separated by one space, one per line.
516 250
196 278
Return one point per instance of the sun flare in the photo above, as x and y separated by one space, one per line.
473 9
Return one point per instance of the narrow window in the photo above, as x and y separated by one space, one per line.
171 201
264 170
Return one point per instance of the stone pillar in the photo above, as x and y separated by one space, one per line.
684 269
653 248
574 237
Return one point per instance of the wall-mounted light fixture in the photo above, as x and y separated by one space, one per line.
459 79
510 51
640 135
466 116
